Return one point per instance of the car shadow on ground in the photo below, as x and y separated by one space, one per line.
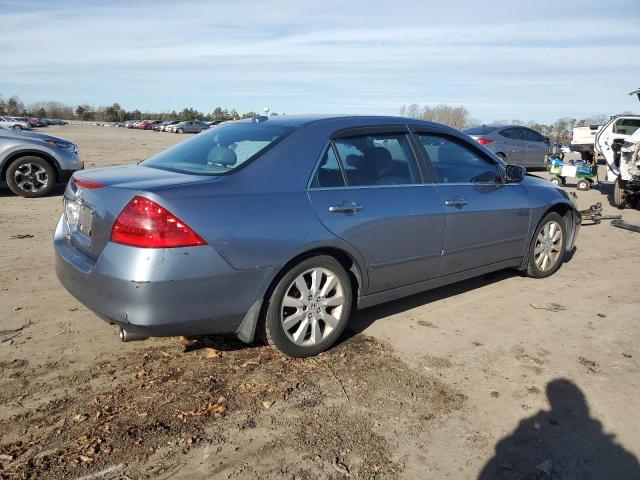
562 443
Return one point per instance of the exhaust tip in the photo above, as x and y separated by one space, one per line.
127 336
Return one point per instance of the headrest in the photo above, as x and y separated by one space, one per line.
379 157
222 156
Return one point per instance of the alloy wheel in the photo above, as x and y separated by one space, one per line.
548 245
312 307
31 177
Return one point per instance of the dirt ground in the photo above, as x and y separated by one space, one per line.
483 379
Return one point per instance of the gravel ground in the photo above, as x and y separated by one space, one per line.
466 381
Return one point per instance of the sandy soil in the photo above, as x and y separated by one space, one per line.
467 381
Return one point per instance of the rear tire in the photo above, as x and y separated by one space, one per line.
503 157
546 243
305 316
621 199
31 177
583 185
559 181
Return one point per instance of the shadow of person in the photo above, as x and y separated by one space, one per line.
563 443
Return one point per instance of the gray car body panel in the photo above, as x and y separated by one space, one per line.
518 151
17 144
259 219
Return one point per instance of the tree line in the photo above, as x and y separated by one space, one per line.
13 106
458 117
454 116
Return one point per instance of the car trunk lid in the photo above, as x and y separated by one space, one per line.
94 199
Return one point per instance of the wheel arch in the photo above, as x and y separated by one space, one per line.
29 153
348 262
246 332
562 208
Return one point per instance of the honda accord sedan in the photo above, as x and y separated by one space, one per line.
281 227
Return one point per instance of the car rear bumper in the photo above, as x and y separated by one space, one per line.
159 292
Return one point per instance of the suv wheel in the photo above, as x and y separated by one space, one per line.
309 307
621 198
30 177
547 248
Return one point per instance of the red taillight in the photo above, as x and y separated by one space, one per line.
88 184
144 223
484 141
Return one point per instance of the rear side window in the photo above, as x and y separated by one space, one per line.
219 150
377 159
510 133
455 162
479 130
329 173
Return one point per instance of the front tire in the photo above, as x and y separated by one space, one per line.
30 177
546 252
621 198
17 128
180 130
309 307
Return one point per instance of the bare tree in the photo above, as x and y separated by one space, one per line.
456 117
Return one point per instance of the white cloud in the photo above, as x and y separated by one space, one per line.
368 56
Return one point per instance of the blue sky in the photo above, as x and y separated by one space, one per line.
501 59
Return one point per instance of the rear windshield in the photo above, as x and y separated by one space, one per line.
480 130
220 149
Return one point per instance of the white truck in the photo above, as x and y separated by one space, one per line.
618 141
583 140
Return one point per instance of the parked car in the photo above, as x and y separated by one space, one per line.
190 126
158 126
167 127
513 143
279 226
14 124
32 163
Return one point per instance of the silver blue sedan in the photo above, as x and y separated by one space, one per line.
280 227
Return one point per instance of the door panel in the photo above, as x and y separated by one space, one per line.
398 229
486 220
536 146
490 227
512 144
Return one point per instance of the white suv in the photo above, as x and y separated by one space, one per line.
14 124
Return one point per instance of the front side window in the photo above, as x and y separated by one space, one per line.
510 133
531 135
455 162
377 159
219 150
626 126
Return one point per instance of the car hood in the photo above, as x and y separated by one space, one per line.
139 177
37 136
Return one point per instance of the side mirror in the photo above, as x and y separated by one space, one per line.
515 173
546 140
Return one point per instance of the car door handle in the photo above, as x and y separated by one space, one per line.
456 202
345 207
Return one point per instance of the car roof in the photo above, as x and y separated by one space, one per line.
345 121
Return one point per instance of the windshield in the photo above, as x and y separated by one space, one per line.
220 149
